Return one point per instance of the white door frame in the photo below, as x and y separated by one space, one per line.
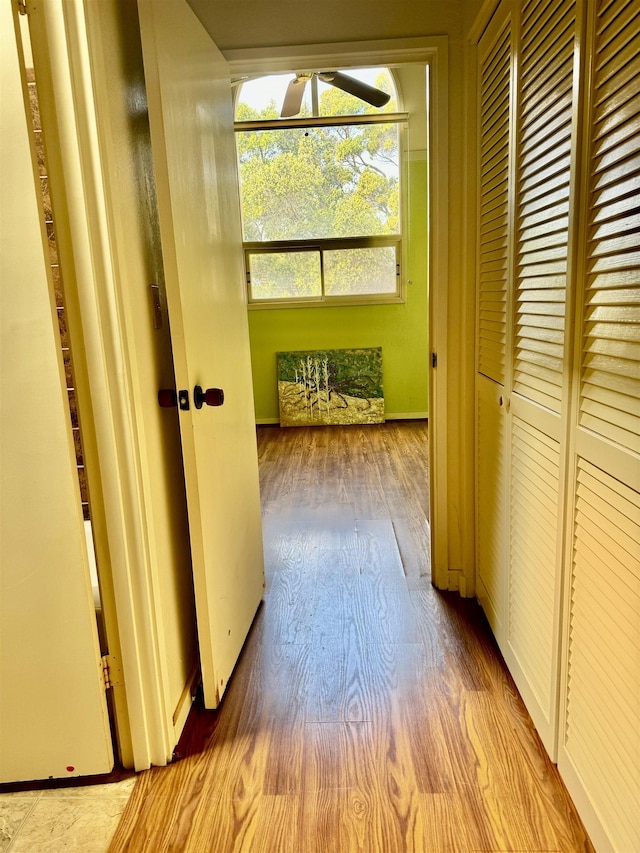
105 381
143 716
432 51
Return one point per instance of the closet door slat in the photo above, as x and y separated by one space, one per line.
543 187
534 514
495 93
603 691
492 502
610 388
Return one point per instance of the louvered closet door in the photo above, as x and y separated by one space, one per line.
495 72
600 749
539 349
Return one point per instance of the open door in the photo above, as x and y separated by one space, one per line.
191 121
53 712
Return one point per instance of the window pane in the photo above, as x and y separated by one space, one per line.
335 102
285 275
311 183
263 97
357 272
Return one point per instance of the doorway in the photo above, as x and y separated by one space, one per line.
430 156
283 198
335 225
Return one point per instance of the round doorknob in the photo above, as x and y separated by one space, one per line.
210 397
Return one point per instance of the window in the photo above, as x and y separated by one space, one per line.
320 190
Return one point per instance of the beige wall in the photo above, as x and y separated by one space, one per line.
475 12
255 23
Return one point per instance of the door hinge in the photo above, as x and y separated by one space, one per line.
111 671
25 7
434 359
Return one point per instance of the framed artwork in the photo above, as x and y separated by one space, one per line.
341 386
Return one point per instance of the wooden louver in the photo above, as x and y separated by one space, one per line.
610 390
603 691
495 88
543 185
535 460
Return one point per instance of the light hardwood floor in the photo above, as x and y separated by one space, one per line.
368 712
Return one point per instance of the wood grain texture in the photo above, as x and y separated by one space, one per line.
368 712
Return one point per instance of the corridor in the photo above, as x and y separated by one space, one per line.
368 712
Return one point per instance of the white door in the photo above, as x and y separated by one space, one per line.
53 712
493 365
191 120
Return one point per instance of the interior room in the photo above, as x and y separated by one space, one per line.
321 502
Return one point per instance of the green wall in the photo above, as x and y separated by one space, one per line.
400 329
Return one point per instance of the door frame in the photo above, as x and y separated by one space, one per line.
434 52
106 383
146 731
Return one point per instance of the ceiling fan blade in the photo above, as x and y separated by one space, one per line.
293 97
373 96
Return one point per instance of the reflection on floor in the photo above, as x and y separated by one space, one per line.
368 712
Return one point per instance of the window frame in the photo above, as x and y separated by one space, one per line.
322 244
319 247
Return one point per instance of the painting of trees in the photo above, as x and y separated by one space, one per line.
330 387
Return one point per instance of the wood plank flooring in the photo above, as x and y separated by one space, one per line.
368 712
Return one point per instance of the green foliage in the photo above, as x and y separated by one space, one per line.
290 275
302 184
349 272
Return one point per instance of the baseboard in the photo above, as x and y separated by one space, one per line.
389 416
406 416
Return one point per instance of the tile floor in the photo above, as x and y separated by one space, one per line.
62 820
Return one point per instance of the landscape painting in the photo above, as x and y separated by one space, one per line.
342 386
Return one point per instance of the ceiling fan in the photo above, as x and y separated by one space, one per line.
295 90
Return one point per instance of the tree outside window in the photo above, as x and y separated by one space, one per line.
320 199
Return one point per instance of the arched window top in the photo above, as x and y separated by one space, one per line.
262 98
